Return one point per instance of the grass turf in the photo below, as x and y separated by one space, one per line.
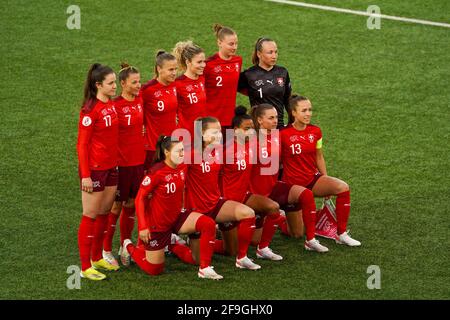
380 96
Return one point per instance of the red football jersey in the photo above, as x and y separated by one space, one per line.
202 183
221 82
299 154
236 175
131 137
160 111
265 171
191 101
165 184
98 133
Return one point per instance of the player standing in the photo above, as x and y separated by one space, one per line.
130 112
191 85
304 164
160 103
265 81
97 150
222 76
162 215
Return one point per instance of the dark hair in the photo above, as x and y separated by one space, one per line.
293 102
258 48
221 31
96 74
240 114
185 51
258 111
205 121
164 143
160 58
126 70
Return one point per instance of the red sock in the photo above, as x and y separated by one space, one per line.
282 225
99 232
207 228
342 211
183 253
269 228
85 236
245 234
306 200
138 255
127 218
110 230
218 247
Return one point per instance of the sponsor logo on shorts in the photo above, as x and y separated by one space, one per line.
87 121
153 243
96 184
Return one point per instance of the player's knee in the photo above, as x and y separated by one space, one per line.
343 187
245 212
274 207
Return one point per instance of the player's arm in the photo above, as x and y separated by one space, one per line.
85 130
287 92
320 160
147 186
243 84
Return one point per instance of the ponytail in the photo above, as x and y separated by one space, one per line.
96 74
221 32
185 51
293 102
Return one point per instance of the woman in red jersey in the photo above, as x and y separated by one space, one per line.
191 85
304 164
97 150
162 215
131 161
240 154
264 179
222 76
160 103
203 193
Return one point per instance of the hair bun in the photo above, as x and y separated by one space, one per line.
240 110
160 52
124 65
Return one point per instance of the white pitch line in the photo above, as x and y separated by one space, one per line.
361 13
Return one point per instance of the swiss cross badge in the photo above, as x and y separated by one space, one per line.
280 82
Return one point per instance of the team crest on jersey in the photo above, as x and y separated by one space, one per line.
189 88
259 83
311 138
217 69
114 109
168 177
182 175
158 94
87 121
146 181
139 107
237 67
280 82
294 138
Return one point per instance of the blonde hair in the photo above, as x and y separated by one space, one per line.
185 51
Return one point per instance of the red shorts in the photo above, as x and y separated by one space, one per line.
159 240
130 179
212 214
149 154
103 178
314 180
280 194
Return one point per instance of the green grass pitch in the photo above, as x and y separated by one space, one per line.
381 97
